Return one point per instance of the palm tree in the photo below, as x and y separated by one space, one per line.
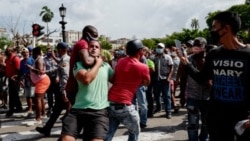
195 23
47 16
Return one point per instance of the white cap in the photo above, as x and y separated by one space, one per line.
161 45
25 49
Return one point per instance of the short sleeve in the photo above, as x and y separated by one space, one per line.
168 57
77 67
150 64
82 44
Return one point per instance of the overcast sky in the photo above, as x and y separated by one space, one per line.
114 18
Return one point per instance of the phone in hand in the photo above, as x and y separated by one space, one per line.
179 47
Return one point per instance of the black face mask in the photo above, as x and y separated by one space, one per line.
216 36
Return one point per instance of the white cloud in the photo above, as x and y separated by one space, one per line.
115 18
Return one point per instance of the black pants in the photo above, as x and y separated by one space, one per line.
14 99
221 124
56 111
52 90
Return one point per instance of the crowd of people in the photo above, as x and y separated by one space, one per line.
100 92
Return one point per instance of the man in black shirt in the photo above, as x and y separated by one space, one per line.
227 69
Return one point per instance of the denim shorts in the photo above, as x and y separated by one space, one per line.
29 92
94 122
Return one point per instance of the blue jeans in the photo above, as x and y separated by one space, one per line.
142 103
129 117
162 86
197 110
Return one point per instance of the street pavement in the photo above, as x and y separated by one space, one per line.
158 128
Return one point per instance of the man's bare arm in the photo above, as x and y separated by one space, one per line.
87 76
86 59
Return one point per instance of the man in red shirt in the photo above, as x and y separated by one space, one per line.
80 52
11 71
130 73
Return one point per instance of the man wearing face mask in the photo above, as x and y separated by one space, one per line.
174 81
197 94
62 74
51 71
227 68
163 69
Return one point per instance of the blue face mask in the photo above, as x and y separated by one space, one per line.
159 50
121 52
49 54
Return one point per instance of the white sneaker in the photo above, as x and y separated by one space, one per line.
28 114
44 117
34 123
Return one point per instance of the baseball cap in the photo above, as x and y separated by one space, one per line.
200 42
25 50
30 48
190 43
62 45
161 45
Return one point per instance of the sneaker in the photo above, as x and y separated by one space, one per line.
44 117
157 110
43 131
28 114
143 125
168 116
35 123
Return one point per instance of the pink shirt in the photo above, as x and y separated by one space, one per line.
36 77
129 74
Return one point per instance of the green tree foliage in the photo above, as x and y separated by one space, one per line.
244 12
185 35
104 43
4 41
150 43
209 18
247 2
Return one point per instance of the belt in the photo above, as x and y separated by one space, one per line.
119 106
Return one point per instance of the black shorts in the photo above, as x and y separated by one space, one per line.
94 123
